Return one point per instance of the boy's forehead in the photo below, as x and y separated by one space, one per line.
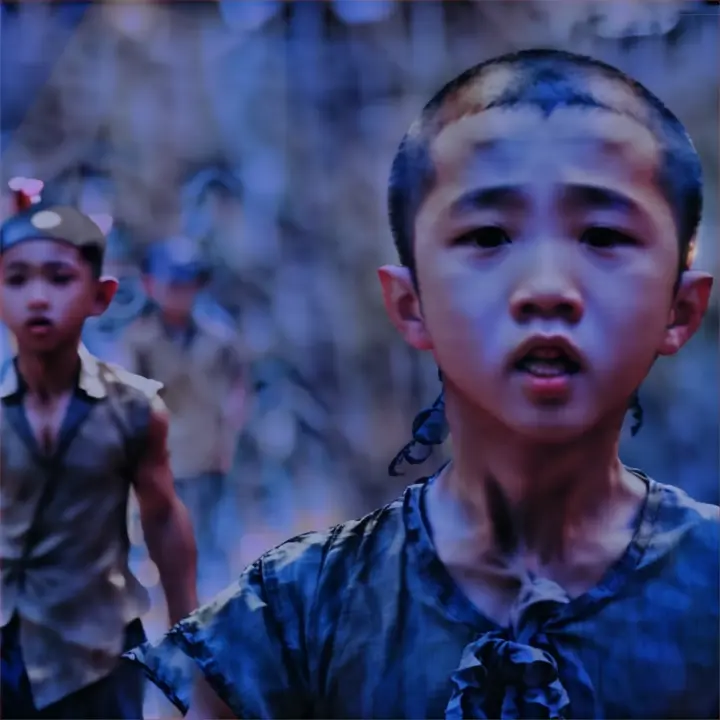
502 140
495 84
41 250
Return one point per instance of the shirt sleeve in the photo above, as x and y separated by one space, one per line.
249 645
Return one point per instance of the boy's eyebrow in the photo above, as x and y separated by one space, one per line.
15 265
600 198
502 197
508 197
51 265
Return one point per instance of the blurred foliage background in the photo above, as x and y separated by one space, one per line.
118 106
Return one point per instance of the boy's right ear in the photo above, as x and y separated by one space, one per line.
403 307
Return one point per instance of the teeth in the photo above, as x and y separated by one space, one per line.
548 362
544 368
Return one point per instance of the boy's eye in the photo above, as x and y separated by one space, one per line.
14 280
604 238
61 278
486 237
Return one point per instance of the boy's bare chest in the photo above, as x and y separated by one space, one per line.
501 592
45 417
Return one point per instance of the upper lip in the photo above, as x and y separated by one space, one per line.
550 342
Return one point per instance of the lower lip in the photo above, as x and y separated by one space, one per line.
39 330
547 387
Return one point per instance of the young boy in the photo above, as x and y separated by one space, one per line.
200 365
76 435
544 208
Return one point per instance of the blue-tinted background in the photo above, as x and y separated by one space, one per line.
118 106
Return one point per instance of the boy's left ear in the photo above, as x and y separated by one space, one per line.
106 288
402 304
689 308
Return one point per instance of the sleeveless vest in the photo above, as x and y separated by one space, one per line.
63 538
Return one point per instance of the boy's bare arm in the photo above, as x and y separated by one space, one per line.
171 544
205 704
165 521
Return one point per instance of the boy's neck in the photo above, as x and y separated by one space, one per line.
51 374
176 322
504 498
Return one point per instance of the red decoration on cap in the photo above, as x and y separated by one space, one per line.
25 191
22 200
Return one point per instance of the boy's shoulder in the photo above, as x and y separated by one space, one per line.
101 378
316 563
679 561
682 519
680 540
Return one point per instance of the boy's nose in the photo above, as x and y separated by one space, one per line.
548 292
37 296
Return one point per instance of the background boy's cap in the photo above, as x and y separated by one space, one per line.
51 222
176 259
195 189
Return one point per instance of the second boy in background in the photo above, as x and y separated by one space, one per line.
200 364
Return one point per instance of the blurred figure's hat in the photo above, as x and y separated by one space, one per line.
211 178
176 259
197 223
46 221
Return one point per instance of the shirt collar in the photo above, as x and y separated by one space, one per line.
89 381
185 336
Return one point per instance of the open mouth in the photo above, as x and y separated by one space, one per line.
39 324
547 363
549 360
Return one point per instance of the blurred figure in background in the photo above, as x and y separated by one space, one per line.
213 212
102 334
200 364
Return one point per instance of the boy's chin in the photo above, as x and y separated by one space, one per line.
38 346
562 427
41 344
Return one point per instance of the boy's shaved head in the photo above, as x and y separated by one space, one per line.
545 80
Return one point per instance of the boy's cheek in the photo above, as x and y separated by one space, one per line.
5 308
460 344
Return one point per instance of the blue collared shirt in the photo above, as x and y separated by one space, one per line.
364 621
